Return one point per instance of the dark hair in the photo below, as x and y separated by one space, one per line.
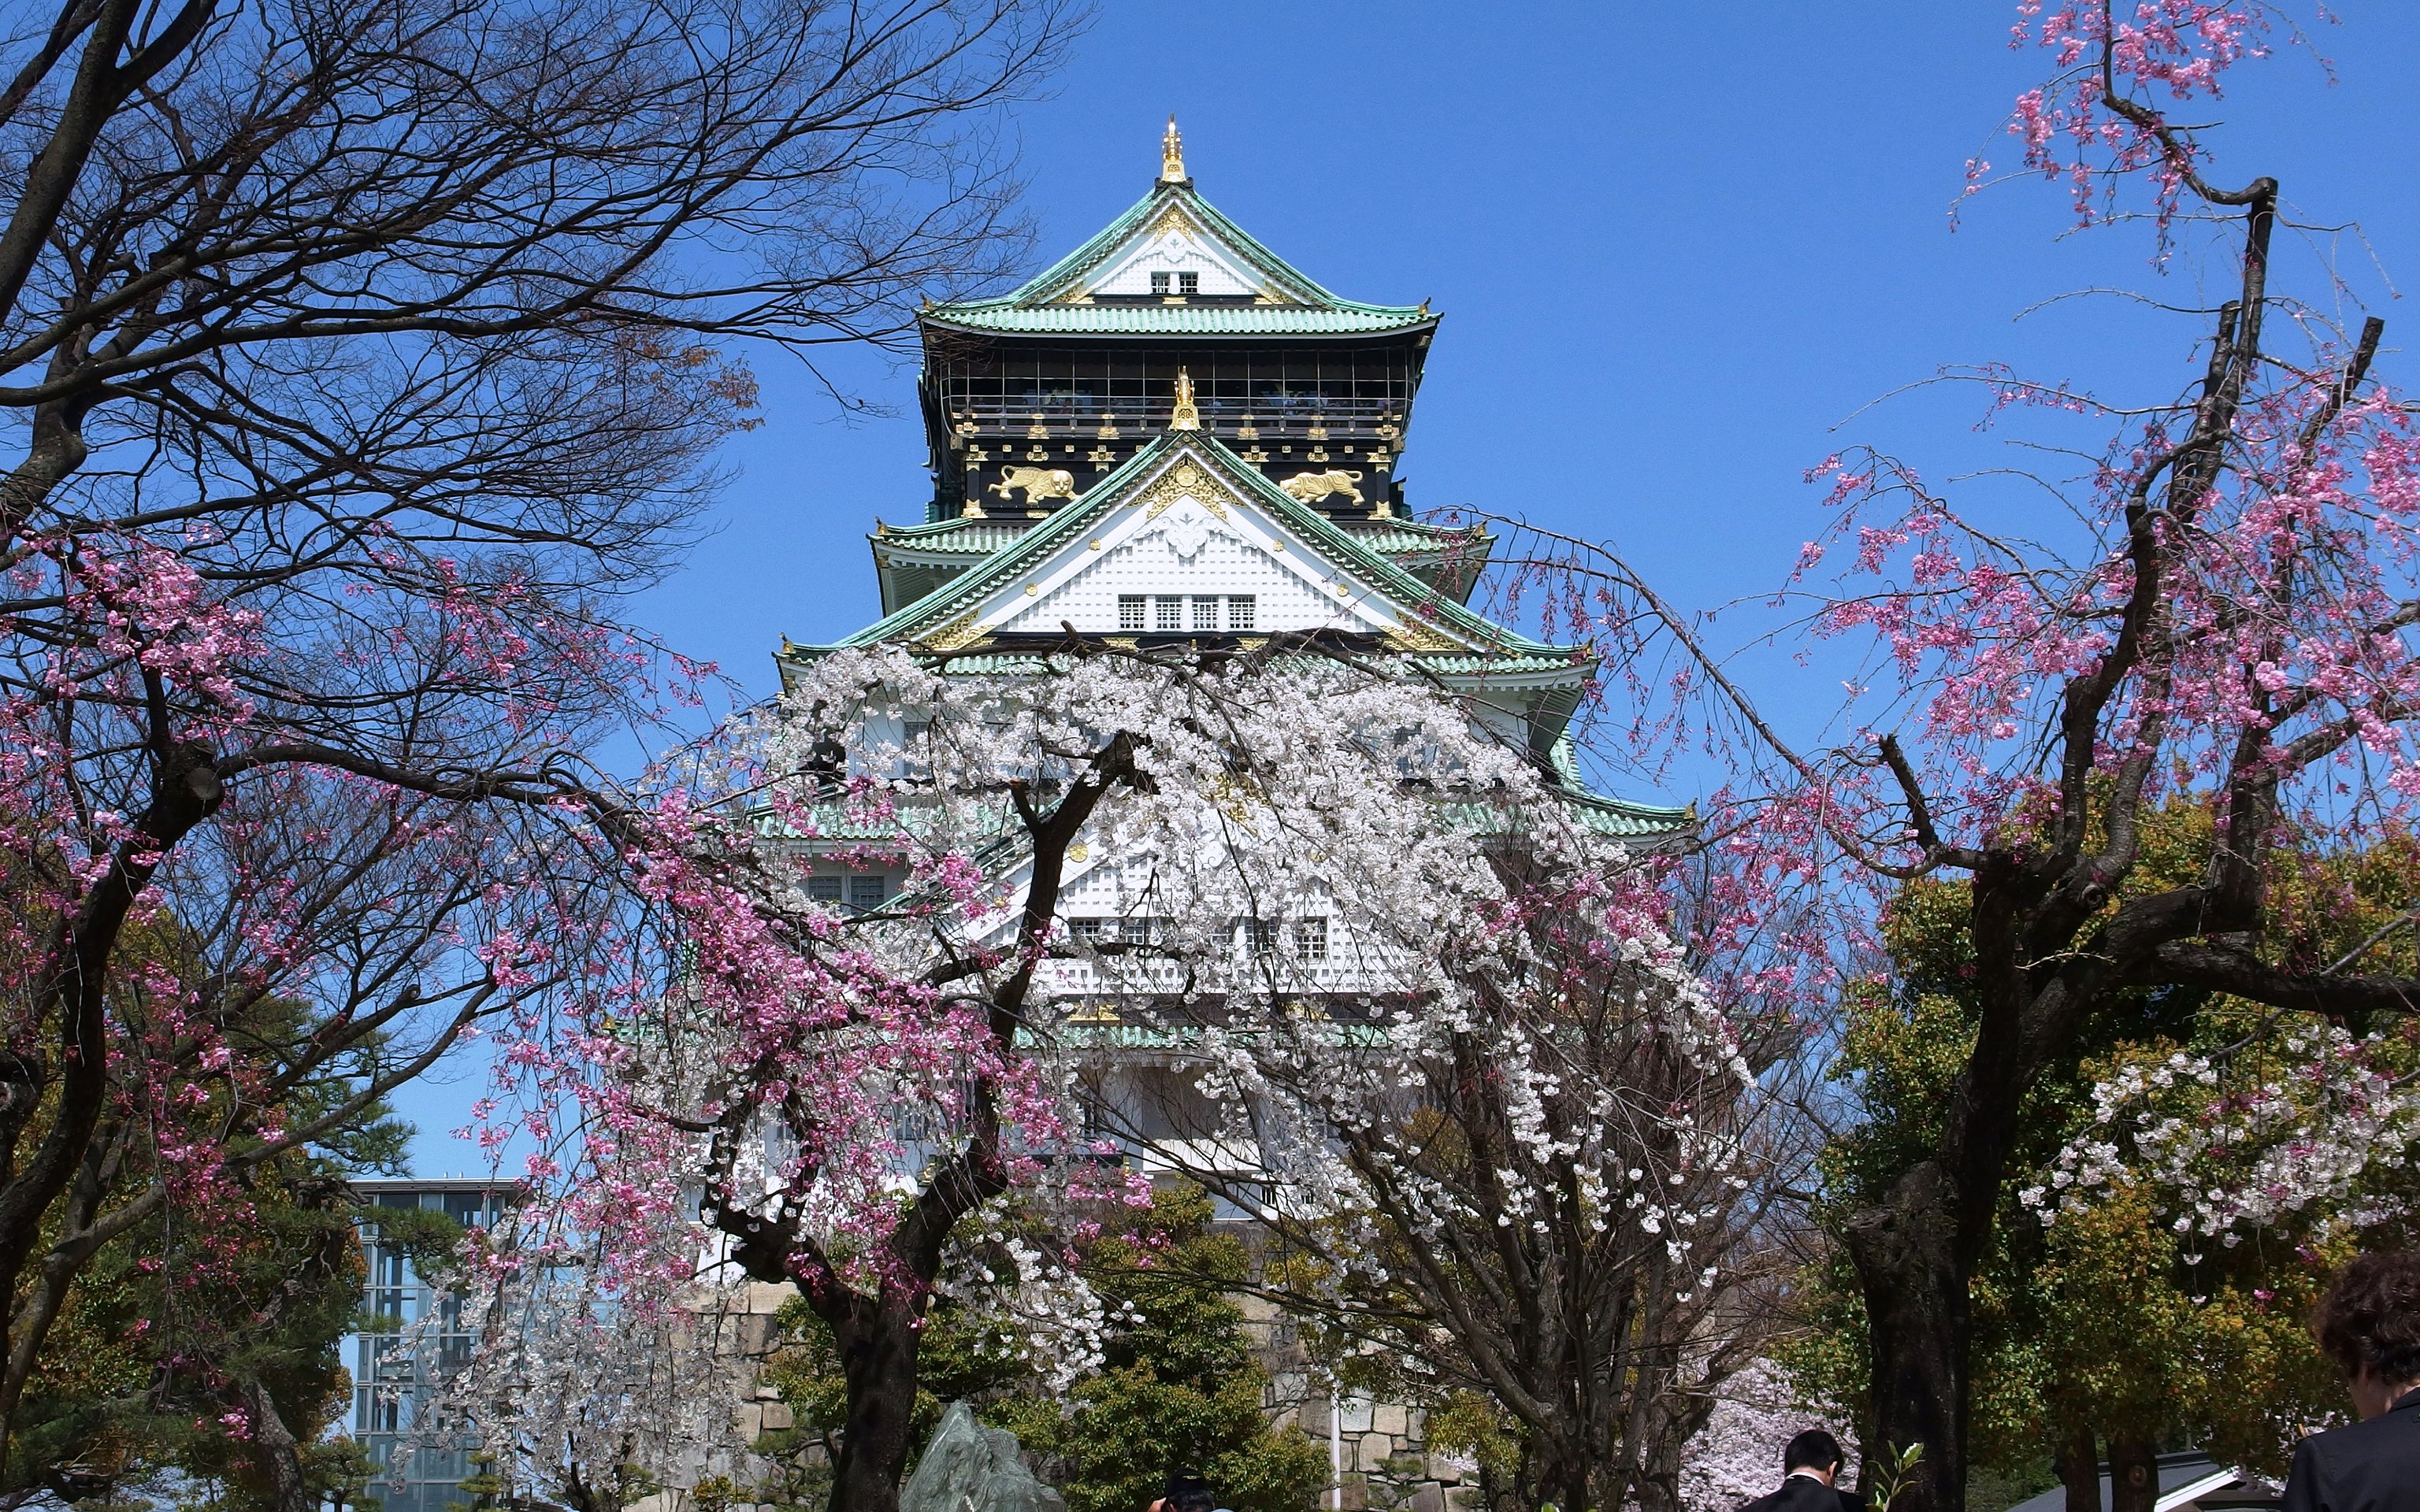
2369 1321
1811 1450
1188 1492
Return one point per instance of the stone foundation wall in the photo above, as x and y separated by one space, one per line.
1387 1464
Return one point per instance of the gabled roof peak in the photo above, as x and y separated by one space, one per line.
1172 264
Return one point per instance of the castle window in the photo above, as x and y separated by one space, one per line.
1168 612
1260 937
1159 283
1087 929
868 892
1310 941
1188 283
1205 613
824 889
1239 612
1130 611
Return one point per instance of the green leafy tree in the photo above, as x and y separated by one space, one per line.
201 1325
2108 1333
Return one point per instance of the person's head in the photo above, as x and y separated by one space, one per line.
2369 1324
1814 1450
1187 1492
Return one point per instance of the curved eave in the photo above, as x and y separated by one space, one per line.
1153 322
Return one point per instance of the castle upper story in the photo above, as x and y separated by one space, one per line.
1032 397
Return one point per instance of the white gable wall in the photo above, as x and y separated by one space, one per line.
1206 541
1175 246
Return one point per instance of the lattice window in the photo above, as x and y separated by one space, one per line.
1130 611
1205 613
1310 941
1159 283
1167 611
1240 611
1188 283
824 889
868 891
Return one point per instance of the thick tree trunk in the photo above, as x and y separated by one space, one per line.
879 1339
2079 1471
2133 1473
1914 1283
275 1454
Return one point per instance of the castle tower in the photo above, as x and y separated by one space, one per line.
1075 370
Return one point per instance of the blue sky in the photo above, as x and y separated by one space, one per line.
1675 246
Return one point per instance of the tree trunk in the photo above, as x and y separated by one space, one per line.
878 1337
1658 1488
2079 1470
275 1453
1914 1283
2133 1473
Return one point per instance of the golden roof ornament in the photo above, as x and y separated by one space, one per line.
1186 416
1172 155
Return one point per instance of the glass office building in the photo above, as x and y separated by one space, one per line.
395 1376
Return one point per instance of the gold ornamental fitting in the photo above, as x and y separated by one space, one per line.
1172 155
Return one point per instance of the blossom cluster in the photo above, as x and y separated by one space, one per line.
2306 1133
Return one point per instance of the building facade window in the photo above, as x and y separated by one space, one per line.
1159 283
824 889
1130 615
1188 283
392 1376
1240 611
1310 941
868 889
1205 611
1168 612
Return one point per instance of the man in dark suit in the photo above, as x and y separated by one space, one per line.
1809 1465
2370 1322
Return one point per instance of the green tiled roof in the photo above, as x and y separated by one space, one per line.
1374 567
1174 319
1402 537
1297 306
958 537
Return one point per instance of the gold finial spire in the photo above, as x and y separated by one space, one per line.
1172 155
1186 416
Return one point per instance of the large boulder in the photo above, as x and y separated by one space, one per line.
970 1468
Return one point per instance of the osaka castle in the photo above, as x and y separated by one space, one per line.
1171 437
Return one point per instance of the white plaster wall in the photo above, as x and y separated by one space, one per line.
1288 596
1173 250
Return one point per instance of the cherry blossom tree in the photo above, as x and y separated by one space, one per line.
1551 1191
361 352
1300 870
2218 608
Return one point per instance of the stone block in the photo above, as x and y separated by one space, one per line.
766 1297
1392 1419
1429 1497
777 1416
752 1419
1358 1413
